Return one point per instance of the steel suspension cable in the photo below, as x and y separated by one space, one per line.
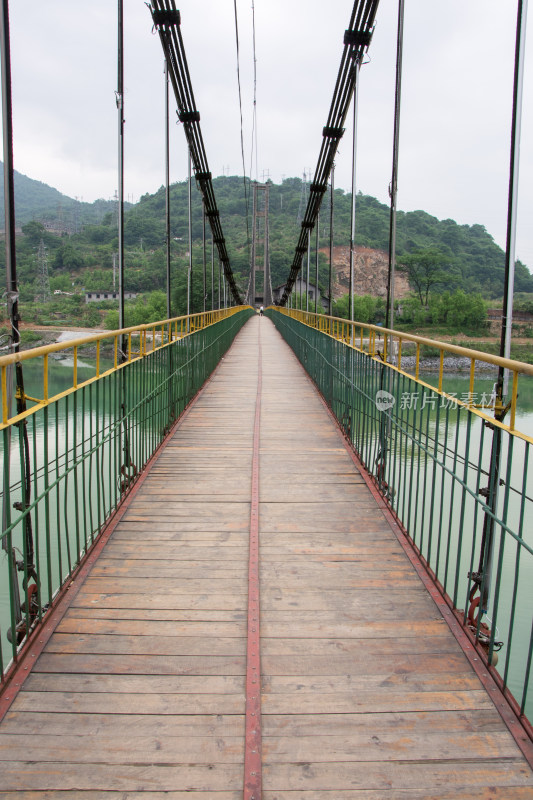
246 195
331 209
393 191
19 625
167 21
356 42
120 109
254 117
167 189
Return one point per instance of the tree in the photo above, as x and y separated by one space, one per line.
427 269
460 310
366 308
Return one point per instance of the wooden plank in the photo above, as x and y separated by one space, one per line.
284 599
205 600
139 645
174 551
325 725
383 700
456 676
129 748
152 628
52 775
90 724
132 664
135 532
191 615
191 570
459 746
145 794
125 703
408 775
136 684
144 586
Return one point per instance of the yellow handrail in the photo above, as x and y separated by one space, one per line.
360 332
166 329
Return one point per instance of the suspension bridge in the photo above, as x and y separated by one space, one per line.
263 556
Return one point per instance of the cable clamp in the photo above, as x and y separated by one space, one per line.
358 38
188 116
166 17
332 133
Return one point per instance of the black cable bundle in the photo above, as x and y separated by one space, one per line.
166 19
356 41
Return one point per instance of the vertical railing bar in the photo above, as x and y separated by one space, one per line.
75 462
450 518
46 461
514 398
90 486
443 480
471 384
518 556
505 509
5 410
433 482
65 491
57 487
36 528
23 507
464 484
424 491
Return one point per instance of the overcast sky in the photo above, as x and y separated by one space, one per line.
456 103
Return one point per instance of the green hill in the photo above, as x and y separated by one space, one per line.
36 200
471 260
477 261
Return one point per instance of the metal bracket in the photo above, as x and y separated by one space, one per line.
188 116
166 17
358 38
333 133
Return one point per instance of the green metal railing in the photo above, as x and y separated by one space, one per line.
97 409
432 453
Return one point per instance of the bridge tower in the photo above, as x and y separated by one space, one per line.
260 288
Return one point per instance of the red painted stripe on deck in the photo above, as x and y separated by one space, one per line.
252 752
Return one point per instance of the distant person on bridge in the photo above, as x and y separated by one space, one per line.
261 309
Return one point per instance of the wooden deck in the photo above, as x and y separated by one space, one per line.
141 690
